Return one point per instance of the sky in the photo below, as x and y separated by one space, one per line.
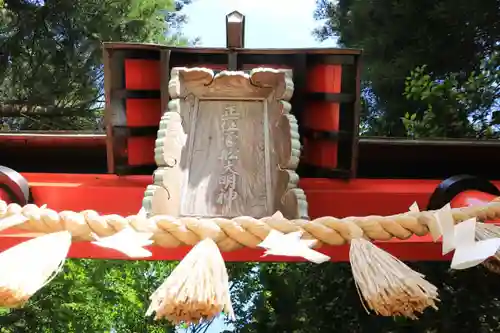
268 24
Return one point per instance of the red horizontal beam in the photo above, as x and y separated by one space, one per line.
53 139
108 194
123 195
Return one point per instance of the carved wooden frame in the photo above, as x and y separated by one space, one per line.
188 88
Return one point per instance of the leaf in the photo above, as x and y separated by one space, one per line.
495 118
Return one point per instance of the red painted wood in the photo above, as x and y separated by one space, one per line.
322 116
143 112
142 74
139 150
123 195
471 198
4 196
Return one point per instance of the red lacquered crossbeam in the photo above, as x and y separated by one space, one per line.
123 195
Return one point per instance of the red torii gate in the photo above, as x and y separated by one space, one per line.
133 70
326 104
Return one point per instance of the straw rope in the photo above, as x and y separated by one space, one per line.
243 231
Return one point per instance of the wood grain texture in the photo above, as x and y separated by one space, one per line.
227 146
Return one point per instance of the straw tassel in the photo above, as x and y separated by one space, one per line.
29 266
385 284
197 289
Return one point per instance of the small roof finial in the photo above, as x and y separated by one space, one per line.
235 30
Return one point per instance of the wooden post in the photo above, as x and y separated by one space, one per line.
235 37
235 30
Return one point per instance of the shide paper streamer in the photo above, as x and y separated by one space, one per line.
468 251
128 242
486 231
31 265
291 245
461 237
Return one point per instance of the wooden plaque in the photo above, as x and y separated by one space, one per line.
227 146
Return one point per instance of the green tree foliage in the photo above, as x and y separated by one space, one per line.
449 36
308 298
468 108
107 296
93 296
51 58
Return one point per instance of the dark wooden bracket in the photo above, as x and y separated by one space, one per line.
451 187
15 185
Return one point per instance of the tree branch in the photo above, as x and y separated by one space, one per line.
48 112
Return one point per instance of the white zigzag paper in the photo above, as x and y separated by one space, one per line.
291 245
462 238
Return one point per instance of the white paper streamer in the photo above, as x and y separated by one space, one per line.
462 239
30 265
465 233
290 245
470 252
142 212
127 241
414 208
445 226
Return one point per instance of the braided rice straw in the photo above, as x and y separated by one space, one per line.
197 289
231 234
29 266
385 284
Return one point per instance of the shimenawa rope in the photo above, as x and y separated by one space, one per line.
386 285
243 231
